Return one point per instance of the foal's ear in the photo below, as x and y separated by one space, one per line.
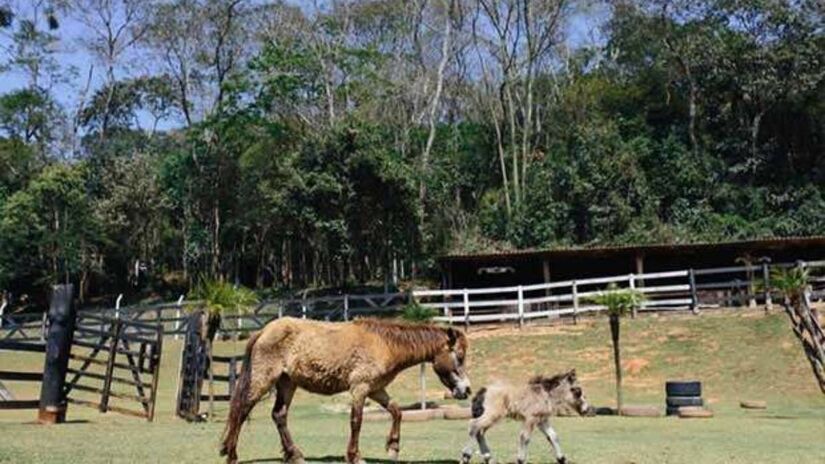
572 375
452 337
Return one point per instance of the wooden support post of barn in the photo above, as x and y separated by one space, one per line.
766 276
59 342
575 291
466 310
545 271
694 297
640 269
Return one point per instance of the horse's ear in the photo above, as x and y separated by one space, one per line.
572 375
452 337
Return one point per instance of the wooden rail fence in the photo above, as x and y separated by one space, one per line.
693 289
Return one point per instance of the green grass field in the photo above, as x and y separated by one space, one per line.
738 355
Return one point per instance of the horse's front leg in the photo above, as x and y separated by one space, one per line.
394 438
359 395
553 438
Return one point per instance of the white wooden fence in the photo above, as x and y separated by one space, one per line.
673 290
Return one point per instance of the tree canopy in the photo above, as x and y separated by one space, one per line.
281 145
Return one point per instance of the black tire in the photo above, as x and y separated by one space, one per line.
689 388
676 401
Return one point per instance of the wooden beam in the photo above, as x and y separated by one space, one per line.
640 268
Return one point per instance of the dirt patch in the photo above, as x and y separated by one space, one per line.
505 330
635 366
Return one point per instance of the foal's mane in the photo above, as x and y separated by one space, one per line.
422 339
548 383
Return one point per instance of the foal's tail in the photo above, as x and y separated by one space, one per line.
241 403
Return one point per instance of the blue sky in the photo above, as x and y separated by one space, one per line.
73 58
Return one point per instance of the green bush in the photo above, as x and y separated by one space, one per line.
414 312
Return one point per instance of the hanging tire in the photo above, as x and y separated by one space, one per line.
677 401
688 388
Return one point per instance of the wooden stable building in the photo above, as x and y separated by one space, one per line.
525 267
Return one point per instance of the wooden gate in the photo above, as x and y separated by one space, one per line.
114 363
7 400
219 374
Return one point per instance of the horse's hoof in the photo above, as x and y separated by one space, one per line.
294 458
465 458
562 460
392 454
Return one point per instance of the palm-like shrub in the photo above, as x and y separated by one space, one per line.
618 302
805 323
221 298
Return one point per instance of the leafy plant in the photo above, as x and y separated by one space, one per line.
618 302
790 282
221 298
414 312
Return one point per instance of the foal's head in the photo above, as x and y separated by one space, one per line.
448 363
565 392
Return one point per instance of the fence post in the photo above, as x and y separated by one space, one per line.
117 306
575 303
177 316
466 311
631 279
3 305
110 365
346 306
304 306
520 307
694 298
43 327
423 379
766 276
61 332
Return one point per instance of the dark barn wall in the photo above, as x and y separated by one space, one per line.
583 263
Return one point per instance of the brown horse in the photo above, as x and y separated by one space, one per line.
361 357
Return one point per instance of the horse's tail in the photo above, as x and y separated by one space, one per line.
478 403
241 403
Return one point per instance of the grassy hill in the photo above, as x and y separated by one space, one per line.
737 354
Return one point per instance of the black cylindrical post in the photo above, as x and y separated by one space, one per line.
58 345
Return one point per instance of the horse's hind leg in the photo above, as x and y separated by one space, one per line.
285 391
524 440
252 385
394 438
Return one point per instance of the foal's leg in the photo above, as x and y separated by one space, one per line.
524 440
285 392
478 427
359 395
393 439
553 438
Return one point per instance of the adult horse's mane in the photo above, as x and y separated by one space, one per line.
423 338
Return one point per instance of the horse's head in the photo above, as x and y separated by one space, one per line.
448 363
566 393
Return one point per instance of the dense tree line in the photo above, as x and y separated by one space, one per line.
287 145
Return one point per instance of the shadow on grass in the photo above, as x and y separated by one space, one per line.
342 460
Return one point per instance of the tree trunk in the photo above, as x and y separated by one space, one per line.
756 124
617 360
